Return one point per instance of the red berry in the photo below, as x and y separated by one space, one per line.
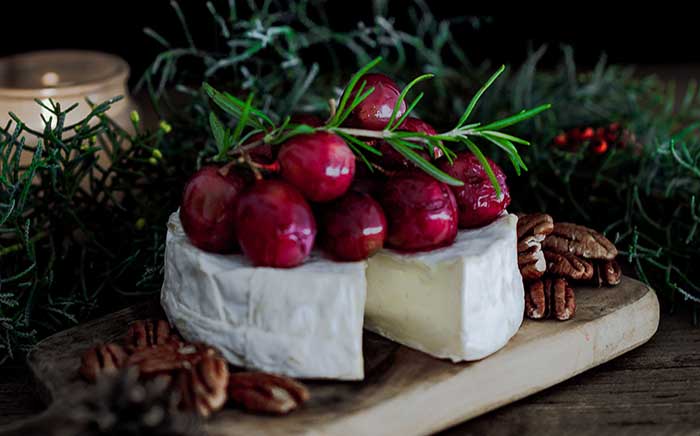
375 111
421 212
207 211
477 200
575 135
320 165
561 139
275 225
587 134
600 146
393 160
610 135
354 227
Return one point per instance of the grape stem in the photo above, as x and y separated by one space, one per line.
224 170
380 169
332 107
253 166
249 146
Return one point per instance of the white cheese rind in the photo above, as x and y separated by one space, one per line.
462 302
301 322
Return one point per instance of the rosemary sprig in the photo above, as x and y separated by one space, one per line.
402 141
76 219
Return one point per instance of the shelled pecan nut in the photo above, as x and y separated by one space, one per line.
532 271
203 385
101 359
148 333
535 302
532 264
579 240
607 273
550 298
532 230
165 358
568 265
266 393
539 224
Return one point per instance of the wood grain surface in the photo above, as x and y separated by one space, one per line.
664 375
407 392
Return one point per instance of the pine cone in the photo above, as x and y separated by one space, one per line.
121 405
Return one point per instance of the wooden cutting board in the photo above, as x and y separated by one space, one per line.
406 392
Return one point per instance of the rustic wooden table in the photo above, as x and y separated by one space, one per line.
653 390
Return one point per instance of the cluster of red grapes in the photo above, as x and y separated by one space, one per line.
319 189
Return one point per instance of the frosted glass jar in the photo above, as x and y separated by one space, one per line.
66 76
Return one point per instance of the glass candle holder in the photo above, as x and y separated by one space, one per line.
67 77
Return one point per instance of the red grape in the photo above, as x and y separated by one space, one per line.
421 212
367 181
267 153
354 227
262 154
375 111
308 119
320 165
276 227
393 160
477 201
207 211
412 124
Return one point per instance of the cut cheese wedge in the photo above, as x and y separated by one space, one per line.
461 302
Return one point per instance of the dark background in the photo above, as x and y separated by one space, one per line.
117 27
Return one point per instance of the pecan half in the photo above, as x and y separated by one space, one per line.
607 273
550 298
202 386
535 302
165 358
101 359
535 224
266 393
148 333
532 230
532 263
568 265
579 240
